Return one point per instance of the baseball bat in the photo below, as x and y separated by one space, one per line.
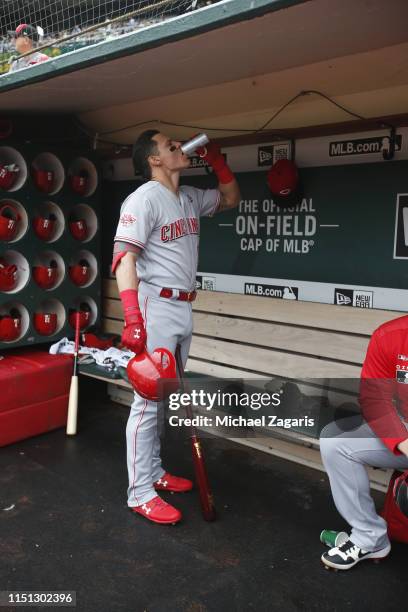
206 498
72 418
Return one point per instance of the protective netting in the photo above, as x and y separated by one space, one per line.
67 25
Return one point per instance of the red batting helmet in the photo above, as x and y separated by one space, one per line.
45 323
10 326
8 276
79 182
8 175
283 181
84 316
44 180
78 229
94 339
46 276
9 220
147 371
79 273
44 227
401 493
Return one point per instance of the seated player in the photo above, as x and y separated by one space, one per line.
349 446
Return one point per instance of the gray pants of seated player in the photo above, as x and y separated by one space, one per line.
168 323
347 448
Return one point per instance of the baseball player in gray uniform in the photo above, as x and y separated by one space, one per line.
155 261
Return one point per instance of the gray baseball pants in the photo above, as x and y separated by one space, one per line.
347 448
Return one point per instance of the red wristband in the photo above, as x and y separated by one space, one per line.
224 175
213 156
130 304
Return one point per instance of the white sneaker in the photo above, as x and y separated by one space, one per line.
348 555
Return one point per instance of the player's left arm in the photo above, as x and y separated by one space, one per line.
227 184
230 195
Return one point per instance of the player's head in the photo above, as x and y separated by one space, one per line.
155 152
25 37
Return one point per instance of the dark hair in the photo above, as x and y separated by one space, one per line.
143 147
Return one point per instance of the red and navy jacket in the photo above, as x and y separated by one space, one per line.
384 383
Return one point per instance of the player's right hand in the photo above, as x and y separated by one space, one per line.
134 336
134 333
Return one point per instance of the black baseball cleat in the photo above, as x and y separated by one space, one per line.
348 555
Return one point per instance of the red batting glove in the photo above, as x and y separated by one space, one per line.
213 156
134 333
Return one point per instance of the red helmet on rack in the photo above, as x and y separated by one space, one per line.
79 182
85 313
8 175
45 323
10 326
283 181
8 276
46 276
78 229
43 179
79 273
148 371
44 226
9 221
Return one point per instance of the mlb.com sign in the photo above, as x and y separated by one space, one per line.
363 146
274 291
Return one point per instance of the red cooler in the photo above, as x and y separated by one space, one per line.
34 397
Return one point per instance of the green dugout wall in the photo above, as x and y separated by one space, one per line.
345 243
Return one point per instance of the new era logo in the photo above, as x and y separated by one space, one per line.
354 297
265 156
341 299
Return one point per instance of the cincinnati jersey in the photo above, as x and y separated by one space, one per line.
167 228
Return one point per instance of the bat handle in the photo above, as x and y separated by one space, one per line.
77 326
72 416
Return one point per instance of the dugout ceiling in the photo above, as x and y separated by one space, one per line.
231 65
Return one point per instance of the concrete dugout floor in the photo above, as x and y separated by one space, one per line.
70 529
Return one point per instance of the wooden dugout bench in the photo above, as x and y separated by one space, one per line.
245 337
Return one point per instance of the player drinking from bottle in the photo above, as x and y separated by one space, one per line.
155 261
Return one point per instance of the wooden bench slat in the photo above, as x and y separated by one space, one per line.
110 288
112 309
270 362
309 314
109 326
219 371
294 339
